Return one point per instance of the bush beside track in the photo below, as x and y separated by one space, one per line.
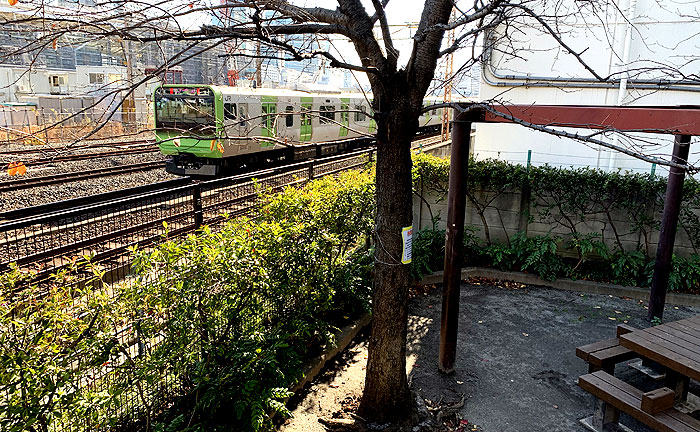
213 321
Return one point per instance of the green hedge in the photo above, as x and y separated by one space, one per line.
564 199
211 333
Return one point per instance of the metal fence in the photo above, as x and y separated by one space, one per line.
105 230
29 124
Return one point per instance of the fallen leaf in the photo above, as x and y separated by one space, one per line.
525 334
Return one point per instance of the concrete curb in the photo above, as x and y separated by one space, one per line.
343 339
568 285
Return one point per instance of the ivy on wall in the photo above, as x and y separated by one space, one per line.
602 225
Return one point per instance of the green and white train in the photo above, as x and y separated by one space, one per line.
213 130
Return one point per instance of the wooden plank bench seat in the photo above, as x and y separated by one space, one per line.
614 395
604 355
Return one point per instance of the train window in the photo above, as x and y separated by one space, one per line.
327 112
230 111
243 112
289 118
360 113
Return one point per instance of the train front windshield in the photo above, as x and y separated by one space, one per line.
185 108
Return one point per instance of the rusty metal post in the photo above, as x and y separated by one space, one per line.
197 206
669 222
456 203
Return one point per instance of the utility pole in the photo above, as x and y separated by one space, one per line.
131 108
258 65
128 104
447 96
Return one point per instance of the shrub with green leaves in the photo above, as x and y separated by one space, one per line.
56 340
229 316
536 255
209 335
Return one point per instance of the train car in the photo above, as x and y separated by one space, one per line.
214 130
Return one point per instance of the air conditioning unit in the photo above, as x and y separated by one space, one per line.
23 88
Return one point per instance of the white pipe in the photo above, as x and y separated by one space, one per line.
622 91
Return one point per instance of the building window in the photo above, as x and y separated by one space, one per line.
97 78
327 113
56 80
289 118
230 111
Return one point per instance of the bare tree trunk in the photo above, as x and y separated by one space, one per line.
386 395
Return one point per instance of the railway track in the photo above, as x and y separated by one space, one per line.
76 203
43 150
88 156
135 147
423 143
50 236
14 185
106 224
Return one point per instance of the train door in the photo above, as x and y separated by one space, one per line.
305 130
344 117
230 117
269 123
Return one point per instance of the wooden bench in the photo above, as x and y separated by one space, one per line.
613 395
604 355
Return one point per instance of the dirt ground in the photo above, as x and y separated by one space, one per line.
516 367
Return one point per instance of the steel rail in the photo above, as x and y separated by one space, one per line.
142 142
88 156
76 176
150 194
116 241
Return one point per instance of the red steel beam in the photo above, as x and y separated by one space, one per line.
669 120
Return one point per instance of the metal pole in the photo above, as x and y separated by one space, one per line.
197 206
457 200
669 222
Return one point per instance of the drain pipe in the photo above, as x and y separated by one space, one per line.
622 92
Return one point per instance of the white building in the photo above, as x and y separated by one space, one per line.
648 48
